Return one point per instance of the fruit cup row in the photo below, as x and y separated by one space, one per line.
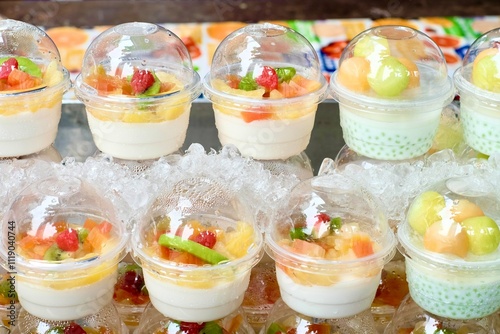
265 82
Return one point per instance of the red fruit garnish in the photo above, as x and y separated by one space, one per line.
141 81
74 328
323 218
206 238
7 67
68 240
191 327
233 80
268 78
131 282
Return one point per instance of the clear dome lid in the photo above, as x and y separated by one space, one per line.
265 62
136 60
454 223
392 63
29 49
61 226
197 211
331 223
480 71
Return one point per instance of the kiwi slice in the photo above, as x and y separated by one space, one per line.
26 65
55 330
192 247
54 253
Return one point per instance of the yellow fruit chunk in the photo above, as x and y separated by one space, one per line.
239 241
425 211
353 74
463 209
447 237
52 75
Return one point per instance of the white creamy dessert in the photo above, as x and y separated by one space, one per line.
349 296
192 304
28 132
139 141
44 301
265 139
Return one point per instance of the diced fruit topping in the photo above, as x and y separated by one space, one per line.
130 287
74 328
141 81
268 79
486 70
7 67
7 290
19 74
61 240
192 247
210 327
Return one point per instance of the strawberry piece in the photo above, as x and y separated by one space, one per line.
74 328
206 238
141 81
191 327
68 240
7 67
268 78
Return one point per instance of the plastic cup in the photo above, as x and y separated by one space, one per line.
392 84
31 89
155 322
137 83
183 283
265 84
330 248
105 320
478 84
67 243
450 240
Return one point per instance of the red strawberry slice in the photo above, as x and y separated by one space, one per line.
141 81
7 67
74 328
68 240
268 78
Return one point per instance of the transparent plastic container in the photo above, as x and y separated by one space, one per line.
411 318
283 319
105 320
154 322
330 246
392 84
32 84
450 239
197 250
478 84
265 84
67 243
137 83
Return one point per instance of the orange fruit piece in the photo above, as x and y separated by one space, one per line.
353 74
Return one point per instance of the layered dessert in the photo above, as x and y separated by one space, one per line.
451 242
32 83
137 104
197 269
329 261
265 83
391 85
68 242
478 84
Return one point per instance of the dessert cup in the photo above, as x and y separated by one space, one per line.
32 83
330 248
155 322
392 84
478 84
265 84
196 251
67 243
450 239
105 320
137 83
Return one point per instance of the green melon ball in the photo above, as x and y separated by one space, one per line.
425 211
389 77
371 47
483 234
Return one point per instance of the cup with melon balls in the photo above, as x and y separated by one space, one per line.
450 239
330 247
197 245
67 243
32 84
478 84
137 83
265 84
154 322
391 84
